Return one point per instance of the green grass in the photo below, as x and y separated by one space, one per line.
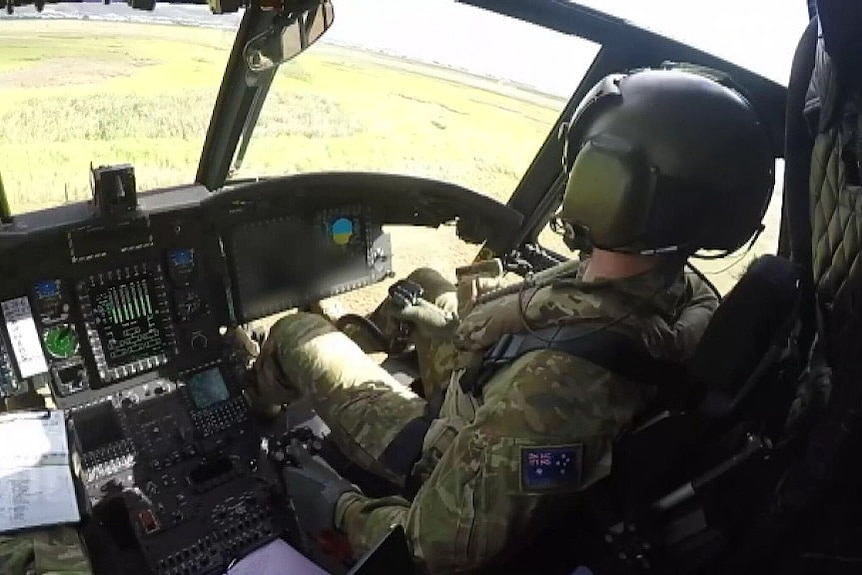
81 92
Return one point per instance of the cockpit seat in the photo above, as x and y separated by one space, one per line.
746 336
817 519
683 473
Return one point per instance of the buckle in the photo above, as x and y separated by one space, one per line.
405 293
473 379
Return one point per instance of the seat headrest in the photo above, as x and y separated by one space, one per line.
746 324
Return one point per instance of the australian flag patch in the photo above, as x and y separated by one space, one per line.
547 468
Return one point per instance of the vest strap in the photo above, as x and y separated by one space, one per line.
614 351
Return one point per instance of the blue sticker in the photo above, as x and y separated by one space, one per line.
182 257
546 468
48 288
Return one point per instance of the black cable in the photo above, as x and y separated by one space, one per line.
734 263
726 253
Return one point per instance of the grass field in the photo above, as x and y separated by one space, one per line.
76 92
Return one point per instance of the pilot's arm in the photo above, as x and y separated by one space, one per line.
540 436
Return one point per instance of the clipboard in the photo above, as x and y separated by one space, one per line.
36 485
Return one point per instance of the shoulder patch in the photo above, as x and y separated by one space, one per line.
548 468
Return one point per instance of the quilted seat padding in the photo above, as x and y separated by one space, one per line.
836 222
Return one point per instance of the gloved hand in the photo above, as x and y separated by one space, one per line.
314 488
429 320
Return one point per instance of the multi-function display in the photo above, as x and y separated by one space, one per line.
126 321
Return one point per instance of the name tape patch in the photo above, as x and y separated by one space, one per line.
552 467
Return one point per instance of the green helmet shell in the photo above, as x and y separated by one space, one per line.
664 161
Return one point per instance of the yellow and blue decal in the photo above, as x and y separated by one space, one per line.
341 231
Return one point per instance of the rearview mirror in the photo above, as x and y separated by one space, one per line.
291 32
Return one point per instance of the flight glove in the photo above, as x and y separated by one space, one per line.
314 489
405 304
429 320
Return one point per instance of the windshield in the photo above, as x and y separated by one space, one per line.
382 91
385 91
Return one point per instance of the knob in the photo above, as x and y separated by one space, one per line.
199 341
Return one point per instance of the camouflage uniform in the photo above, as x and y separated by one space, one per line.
477 497
48 551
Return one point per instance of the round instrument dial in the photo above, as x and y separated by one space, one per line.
60 341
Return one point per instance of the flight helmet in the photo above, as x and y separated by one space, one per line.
665 161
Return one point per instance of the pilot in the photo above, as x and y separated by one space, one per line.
660 164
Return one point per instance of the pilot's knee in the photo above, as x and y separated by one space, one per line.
298 328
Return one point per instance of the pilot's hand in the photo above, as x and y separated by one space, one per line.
314 488
270 389
428 319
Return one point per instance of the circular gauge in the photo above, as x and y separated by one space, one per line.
60 341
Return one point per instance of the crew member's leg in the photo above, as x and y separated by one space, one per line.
364 406
16 554
58 551
53 550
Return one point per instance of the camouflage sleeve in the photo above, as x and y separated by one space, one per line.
543 433
677 340
695 317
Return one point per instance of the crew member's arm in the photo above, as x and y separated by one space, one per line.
546 423
678 340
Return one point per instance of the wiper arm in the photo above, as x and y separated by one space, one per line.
235 98
263 82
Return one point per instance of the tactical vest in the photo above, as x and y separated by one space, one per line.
614 345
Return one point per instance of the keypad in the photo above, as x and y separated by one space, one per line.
108 460
236 527
220 417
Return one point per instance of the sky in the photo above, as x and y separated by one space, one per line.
757 34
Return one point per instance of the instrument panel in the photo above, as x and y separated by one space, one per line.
182 458
126 318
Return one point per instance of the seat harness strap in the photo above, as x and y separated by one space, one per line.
614 351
